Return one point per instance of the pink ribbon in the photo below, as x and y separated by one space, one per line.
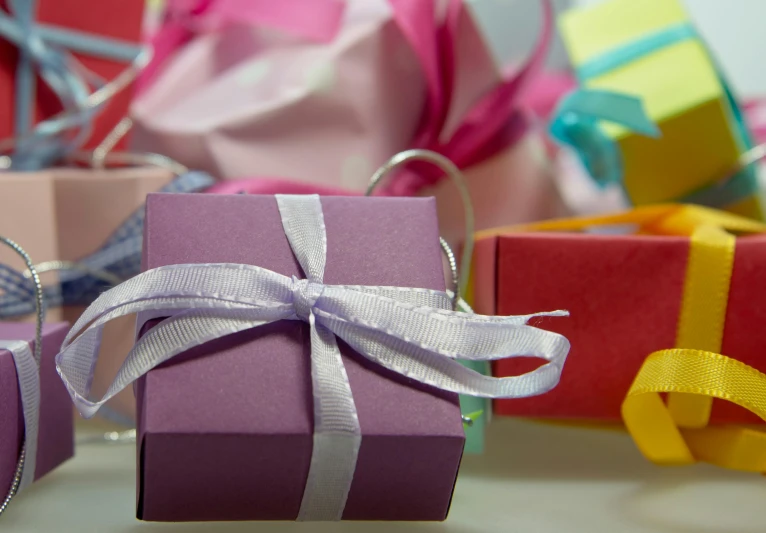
494 122
316 20
546 90
275 186
755 116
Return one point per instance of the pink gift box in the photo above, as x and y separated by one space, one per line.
225 429
56 431
67 214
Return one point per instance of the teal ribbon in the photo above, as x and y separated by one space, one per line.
45 50
576 122
648 44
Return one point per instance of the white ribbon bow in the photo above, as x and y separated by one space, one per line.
410 331
29 387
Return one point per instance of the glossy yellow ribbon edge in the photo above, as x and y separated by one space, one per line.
712 375
703 312
695 373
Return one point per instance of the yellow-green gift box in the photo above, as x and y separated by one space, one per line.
649 49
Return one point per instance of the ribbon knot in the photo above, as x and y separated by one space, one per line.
410 331
305 295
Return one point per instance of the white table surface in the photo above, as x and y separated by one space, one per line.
534 478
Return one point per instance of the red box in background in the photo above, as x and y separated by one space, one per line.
116 20
624 297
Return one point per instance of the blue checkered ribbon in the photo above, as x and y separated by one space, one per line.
120 256
44 51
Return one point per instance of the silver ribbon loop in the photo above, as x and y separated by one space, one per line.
411 331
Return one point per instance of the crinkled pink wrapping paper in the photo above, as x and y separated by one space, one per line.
250 101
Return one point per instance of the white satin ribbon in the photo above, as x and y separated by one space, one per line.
29 386
410 331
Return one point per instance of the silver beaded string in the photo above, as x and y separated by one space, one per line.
457 301
40 312
449 168
50 266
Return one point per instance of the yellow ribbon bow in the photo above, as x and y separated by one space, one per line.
694 372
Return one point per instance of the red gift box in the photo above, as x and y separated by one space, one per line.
115 20
624 293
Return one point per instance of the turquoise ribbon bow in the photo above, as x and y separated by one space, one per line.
45 49
576 122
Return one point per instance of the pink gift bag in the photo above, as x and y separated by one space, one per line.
320 106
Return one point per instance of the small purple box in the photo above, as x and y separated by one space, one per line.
56 433
225 429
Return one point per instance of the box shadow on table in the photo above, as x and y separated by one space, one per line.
539 450
302 527
720 503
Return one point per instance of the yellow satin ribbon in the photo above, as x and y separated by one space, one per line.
703 312
694 372
660 435
661 219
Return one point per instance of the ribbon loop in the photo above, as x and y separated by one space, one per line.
600 154
694 373
411 331
706 375
576 124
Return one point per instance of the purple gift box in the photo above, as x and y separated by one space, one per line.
56 430
225 429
